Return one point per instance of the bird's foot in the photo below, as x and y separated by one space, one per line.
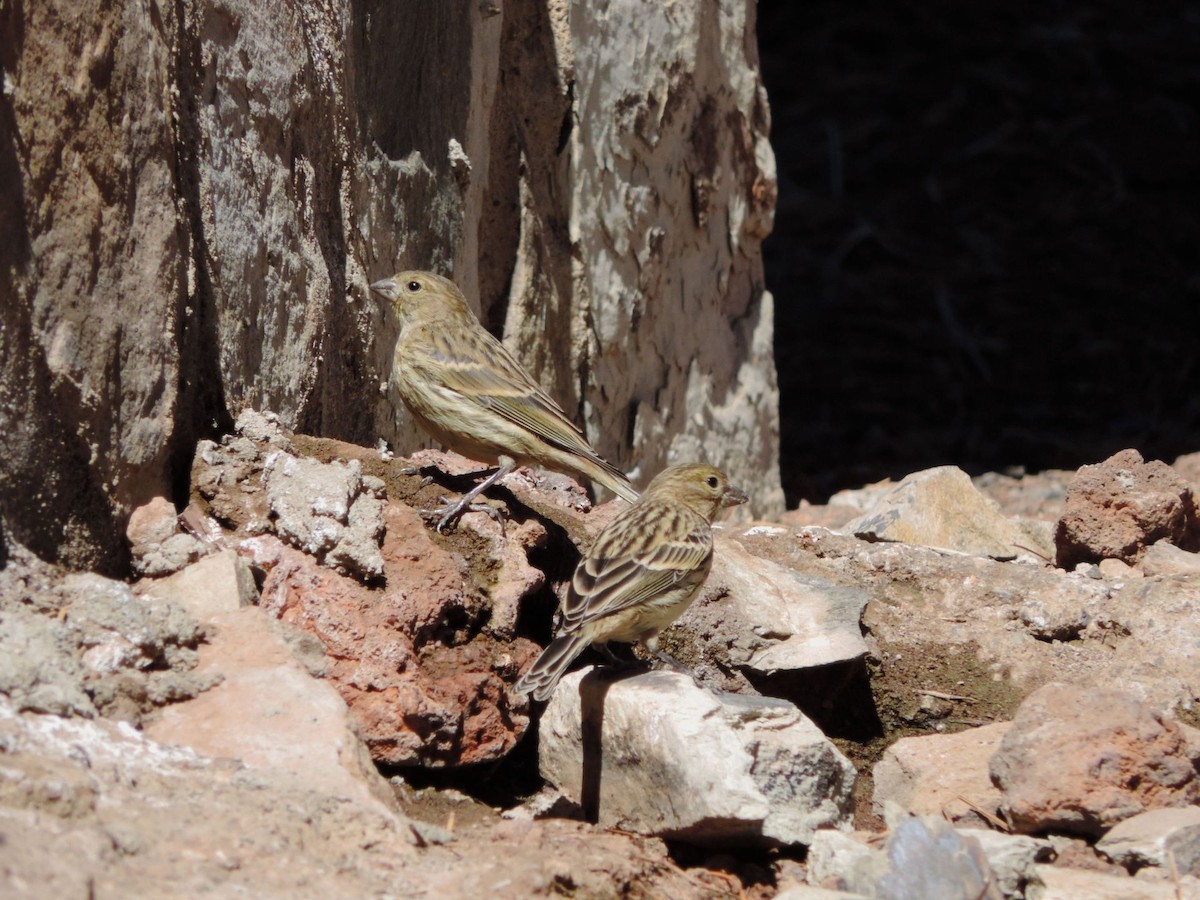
448 512
672 663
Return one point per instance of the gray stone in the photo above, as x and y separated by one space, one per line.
929 860
39 669
1160 837
1012 858
171 555
941 508
843 862
673 759
328 510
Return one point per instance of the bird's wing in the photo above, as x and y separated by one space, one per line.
479 368
646 554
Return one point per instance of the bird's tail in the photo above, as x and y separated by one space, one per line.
550 666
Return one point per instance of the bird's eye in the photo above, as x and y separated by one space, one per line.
712 482
413 286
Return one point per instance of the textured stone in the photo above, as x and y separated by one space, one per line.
764 616
1012 857
941 774
424 681
941 508
929 859
201 193
221 582
656 754
1119 507
1083 759
1056 883
151 524
841 861
1169 838
270 713
328 510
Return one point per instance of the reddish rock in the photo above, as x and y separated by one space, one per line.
423 679
1081 760
1117 508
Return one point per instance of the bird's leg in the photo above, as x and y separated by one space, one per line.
452 511
611 657
651 644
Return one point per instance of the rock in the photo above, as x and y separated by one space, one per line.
941 775
1009 627
941 508
513 578
216 584
328 510
1119 507
128 339
103 805
764 616
1012 858
843 862
1169 838
1188 466
1027 495
1075 884
929 859
1164 558
270 713
149 524
807 892
411 657
157 545
1115 569
40 669
655 754
924 859
1083 759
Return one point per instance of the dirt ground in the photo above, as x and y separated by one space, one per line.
985 247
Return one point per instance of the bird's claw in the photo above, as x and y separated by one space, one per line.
448 513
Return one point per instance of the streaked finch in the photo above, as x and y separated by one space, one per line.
466 389
641 572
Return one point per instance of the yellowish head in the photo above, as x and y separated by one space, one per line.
418 296
701 488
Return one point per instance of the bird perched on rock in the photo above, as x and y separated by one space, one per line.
642 571
468 392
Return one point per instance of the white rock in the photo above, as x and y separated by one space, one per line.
770 618
838 859
676 760
1012 857
1153 837
1058 883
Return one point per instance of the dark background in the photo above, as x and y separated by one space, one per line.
987 247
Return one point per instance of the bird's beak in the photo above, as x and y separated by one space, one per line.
733 496
385 288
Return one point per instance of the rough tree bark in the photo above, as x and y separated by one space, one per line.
194 195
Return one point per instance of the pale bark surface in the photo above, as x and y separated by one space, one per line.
196 195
